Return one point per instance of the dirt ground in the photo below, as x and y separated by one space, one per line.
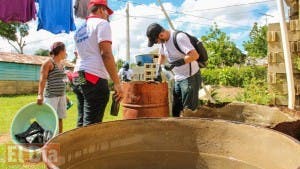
228 93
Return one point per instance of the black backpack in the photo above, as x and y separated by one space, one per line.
202 60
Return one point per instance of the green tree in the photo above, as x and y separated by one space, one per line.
257 46
221 50
14 33
42 52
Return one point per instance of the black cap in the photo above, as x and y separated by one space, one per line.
153 31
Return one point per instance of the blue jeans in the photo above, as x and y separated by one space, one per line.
92 100
185 94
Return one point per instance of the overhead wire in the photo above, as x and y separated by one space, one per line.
188 14
235 5
182 13
152 18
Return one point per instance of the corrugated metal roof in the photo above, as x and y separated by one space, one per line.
26 59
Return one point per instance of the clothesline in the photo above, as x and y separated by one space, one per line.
55 16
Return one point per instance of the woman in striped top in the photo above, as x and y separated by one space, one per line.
52 85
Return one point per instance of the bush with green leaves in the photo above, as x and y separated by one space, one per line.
256 91
233 76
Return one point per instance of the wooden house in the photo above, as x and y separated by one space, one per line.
19 74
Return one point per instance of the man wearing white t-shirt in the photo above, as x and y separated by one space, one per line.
184 66
95 64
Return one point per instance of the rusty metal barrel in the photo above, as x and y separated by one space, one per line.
172 143
145 99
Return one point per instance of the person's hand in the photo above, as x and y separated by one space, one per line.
157 77
118 92
40 99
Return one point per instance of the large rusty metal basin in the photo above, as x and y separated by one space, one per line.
170 143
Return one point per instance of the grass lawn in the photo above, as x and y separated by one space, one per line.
11 104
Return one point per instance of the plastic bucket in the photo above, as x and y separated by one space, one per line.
146 58
44 114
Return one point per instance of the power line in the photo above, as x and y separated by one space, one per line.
248 11
178 21
236 5
152 18
183 13
187 14
240 14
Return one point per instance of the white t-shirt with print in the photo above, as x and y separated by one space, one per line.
172 54
87 39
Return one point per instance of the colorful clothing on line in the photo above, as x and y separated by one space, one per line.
56 16
16 10
81 8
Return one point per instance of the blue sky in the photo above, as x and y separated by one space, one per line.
235 17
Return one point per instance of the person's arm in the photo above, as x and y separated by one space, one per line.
191 56
104 40
110 65
161 59
45 68
185 45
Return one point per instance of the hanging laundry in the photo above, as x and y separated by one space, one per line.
56 16
81 8
16 10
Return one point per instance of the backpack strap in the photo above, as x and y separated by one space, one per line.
178 48
175 41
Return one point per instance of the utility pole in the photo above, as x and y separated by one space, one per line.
287 56
127 34
166 15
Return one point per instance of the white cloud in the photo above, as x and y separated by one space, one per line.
143 15
238 35
234 15
197 14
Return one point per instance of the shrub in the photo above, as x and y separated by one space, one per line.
256 91
233 76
